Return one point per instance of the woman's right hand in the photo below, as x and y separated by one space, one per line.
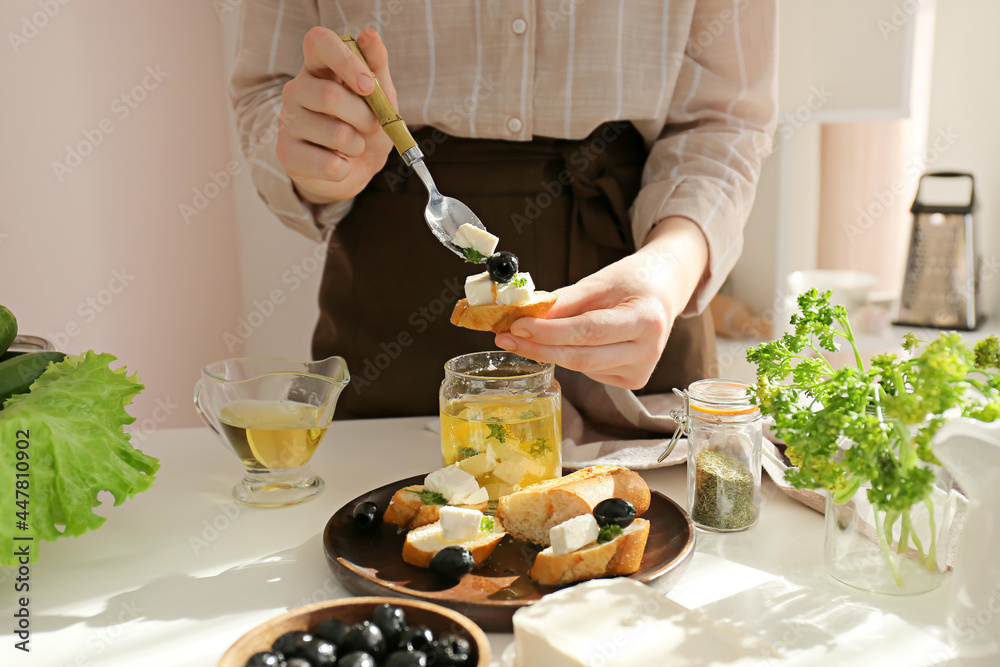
329 141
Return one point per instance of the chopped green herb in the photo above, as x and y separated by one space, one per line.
473 256
498 432
519 281
609 532
494 419
467 452
528 414
429 497
486 523
723 491
540 448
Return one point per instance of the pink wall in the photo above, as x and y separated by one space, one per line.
107 228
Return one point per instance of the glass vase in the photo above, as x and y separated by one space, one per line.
892 552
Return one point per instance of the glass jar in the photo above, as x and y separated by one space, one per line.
501 420
724 431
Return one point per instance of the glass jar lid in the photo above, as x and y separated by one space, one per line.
720 397
719 400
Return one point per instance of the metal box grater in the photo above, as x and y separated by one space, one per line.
941 286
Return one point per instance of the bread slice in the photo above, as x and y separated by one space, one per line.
497 317
528 514
408 511
423 542
621 555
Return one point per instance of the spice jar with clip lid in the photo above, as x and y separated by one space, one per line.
725 432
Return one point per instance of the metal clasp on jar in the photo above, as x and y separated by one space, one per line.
682 416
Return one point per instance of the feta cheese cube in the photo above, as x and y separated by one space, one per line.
479 289
480 464
480 496
459 524
508 294
509 471
574 533
451 482
515 467
470 236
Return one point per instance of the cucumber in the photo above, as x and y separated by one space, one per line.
8 329
17 374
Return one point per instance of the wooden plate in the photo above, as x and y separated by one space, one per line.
372 563
353 610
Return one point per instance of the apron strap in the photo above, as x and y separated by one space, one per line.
604 171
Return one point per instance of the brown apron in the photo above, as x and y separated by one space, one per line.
389 287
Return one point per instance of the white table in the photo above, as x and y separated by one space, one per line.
180 572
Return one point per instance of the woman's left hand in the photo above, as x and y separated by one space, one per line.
613 325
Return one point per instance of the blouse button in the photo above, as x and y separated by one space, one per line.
519 26
514 124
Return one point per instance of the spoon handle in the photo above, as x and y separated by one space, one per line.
388 117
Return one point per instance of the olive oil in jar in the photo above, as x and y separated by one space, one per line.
272 435
504 445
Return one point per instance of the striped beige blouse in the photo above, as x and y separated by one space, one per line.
696 77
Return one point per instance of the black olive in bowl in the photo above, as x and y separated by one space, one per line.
426 621
416 638
391 620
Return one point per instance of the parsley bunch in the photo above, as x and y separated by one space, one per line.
851 426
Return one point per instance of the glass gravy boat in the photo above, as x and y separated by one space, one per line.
272 413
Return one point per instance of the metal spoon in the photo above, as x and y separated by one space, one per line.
444 215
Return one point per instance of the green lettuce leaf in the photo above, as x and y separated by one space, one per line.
73 417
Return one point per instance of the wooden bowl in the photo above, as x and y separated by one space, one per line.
353 610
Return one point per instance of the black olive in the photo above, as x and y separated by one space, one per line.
290 643
365 636
451 651
502 266
415 638
391 621
265 659
618 511
332 630
366 516
406 659
298 662
452 563
318 652
356 659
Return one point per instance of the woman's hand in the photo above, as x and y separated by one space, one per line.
612 325
330 142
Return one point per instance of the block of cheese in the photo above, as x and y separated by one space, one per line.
456 485
470 236
519 289
480 464
573 534
459 523
477 497
624 623
479 289
516 467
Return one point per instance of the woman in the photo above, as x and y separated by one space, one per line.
614 147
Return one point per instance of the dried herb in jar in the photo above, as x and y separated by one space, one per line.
724 492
